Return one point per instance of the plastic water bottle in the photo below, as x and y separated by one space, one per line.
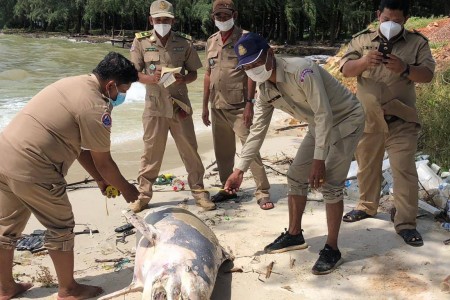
352 189
178 185
443 197
446 226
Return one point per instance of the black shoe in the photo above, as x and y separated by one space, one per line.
329 260
286 242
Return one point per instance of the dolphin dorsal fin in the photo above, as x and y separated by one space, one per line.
147 230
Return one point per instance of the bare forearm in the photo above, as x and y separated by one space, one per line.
109 171
85 160
420 74
206 92
147 79
353 68
190 77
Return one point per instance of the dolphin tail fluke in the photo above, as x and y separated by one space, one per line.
147 230
132 288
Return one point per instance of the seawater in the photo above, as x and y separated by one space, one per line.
27 65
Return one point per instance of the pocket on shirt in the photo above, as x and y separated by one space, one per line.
151 58
234 92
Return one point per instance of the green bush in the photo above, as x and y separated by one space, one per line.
433 103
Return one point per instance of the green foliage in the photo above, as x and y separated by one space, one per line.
419 22
437 45
434 109
277 20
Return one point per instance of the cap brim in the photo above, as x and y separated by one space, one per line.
224 10
162 15
249 59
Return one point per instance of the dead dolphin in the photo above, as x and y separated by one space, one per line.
177 256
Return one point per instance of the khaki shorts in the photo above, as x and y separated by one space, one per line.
337 164
48 202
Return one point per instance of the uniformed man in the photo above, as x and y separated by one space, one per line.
386 90
307 92
167 108
70 119
231 94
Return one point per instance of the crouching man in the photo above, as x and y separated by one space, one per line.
307 92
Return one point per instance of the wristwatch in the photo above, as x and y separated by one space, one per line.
405 73
251 100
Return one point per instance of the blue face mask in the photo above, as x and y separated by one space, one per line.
119 99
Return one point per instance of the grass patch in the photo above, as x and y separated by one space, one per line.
433 104
414 22
437 45
418 22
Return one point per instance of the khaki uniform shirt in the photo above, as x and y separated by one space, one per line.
308 93
381 91
228 86
147 53
43 140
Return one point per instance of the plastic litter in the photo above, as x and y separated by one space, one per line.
352 189
446 226
178 185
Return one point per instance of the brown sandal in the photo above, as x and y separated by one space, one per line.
263 203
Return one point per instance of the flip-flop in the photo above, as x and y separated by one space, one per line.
355 215
263 201
412 237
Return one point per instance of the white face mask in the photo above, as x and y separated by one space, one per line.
259 74
390 29
162 29
225 26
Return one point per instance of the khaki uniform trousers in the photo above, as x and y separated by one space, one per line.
48 202
226 125
156 130
401 146
337 164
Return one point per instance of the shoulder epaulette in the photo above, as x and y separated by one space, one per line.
184 36
214 35
367 30
419 33
143 34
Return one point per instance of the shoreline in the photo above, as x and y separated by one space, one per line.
127 155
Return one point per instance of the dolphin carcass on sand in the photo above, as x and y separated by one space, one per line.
177 256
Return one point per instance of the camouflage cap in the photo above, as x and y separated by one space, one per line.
161 8
223 6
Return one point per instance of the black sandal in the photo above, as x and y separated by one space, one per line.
412 237
355 215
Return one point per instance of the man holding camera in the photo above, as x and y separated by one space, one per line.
387 63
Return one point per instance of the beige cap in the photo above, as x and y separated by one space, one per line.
223 6
161 8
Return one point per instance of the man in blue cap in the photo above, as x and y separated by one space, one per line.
307 92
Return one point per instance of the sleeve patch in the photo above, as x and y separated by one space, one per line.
304 73
107 120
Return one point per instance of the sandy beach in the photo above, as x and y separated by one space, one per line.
378 264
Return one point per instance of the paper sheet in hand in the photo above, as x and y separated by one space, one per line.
167 76
182 105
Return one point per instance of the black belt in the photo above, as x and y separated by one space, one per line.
390 118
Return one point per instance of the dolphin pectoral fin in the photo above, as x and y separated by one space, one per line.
147 230
226 255
132 288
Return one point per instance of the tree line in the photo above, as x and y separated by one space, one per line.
284 21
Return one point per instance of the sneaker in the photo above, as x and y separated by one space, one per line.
329 260
286 242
